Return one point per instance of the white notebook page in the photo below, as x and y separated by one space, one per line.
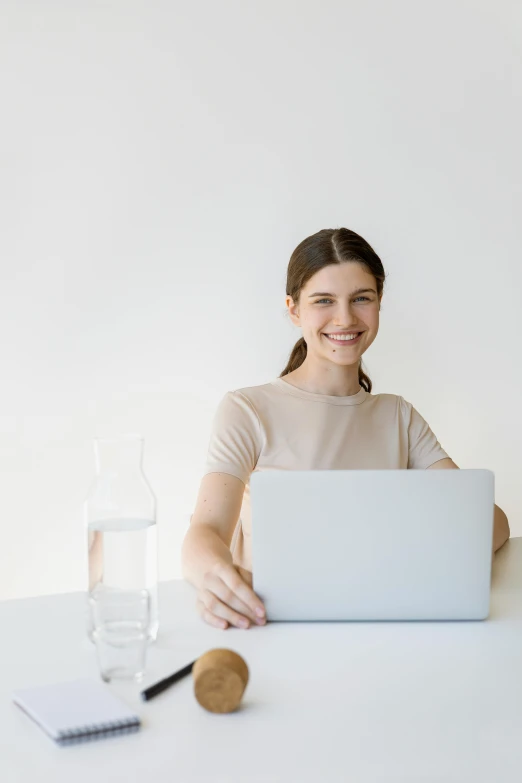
72 706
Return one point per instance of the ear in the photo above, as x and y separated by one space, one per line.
293 311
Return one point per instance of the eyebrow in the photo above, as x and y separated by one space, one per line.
357 291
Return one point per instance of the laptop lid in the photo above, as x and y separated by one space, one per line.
373 544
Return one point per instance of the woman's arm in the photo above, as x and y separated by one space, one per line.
501 530
224 597
212 524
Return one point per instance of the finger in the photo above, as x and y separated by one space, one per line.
220 609
209 618
232 579
214 584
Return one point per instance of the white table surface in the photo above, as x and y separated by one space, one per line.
326 702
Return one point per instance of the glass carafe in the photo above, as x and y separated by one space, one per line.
120 521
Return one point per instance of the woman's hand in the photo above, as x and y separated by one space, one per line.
226 598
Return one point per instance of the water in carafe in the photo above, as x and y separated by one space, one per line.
120 516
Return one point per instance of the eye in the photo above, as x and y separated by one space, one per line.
329 300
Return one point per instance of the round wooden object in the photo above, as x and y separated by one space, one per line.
220 677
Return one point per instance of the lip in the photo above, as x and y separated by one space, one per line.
344 343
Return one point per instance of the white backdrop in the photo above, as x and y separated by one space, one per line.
159 163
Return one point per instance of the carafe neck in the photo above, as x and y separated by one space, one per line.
123 454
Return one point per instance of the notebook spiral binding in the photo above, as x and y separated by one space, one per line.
98 731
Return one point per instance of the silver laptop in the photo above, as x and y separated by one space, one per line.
373 544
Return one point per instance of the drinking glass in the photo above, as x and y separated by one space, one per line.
120 622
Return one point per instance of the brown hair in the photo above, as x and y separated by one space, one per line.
328 246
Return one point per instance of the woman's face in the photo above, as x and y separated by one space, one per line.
340 298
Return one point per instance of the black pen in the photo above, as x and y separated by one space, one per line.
162 685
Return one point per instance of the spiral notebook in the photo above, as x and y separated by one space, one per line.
77 711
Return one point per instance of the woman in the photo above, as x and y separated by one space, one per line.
318 415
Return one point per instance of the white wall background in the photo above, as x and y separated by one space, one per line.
159 163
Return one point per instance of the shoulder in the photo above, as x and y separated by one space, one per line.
393 400
256 392
258 398
395 406
385 398
389 401
246 403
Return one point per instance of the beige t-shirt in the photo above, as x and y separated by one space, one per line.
276 426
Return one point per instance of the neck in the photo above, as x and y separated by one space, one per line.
334 381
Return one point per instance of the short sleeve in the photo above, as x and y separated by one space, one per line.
235 440
423 447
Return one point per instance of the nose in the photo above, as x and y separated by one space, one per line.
344 317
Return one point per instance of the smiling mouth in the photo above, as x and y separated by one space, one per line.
342 342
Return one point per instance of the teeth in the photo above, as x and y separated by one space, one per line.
343 338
